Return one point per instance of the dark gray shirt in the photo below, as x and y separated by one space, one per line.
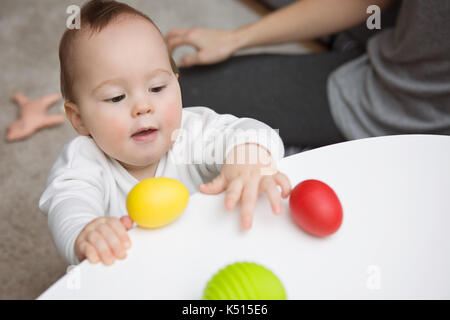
402 84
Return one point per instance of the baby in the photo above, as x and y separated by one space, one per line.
124 100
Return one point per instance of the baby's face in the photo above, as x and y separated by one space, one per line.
124 83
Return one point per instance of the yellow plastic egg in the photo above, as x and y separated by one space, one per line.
155 202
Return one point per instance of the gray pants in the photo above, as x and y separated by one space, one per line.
287 92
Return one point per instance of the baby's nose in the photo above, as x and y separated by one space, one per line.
144 108
147 110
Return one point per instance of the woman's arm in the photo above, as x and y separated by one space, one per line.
302 20
305 19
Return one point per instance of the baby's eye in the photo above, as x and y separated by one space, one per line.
116 99
157 89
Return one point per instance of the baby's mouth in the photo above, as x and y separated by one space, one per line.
143 132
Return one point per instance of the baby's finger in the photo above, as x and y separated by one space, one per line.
269 186
126 222
99 243
283 181
120 231
248 201
214 187
233 193
89 252
112 240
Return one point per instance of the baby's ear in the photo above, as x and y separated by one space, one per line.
74 116
177 75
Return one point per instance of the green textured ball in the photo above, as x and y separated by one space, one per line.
244 281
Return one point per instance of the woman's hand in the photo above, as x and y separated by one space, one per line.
104 239
211 45
301 20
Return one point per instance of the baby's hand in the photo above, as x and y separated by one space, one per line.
244 181
104 239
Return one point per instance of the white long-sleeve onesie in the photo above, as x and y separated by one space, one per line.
85 183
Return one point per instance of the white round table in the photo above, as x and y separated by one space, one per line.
394 242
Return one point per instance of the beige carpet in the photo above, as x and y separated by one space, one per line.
29 37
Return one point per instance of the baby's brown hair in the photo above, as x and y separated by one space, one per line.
95 15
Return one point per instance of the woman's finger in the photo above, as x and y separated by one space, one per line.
180 37
189 60
177 41
175 32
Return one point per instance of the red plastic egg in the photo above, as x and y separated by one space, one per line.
316 208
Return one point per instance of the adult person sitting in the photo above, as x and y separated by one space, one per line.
399 85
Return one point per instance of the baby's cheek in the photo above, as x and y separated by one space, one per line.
172 118
110 132
115 129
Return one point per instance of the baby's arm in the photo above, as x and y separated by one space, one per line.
211 136
79 228
76 200
262 148
104 239
78 225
